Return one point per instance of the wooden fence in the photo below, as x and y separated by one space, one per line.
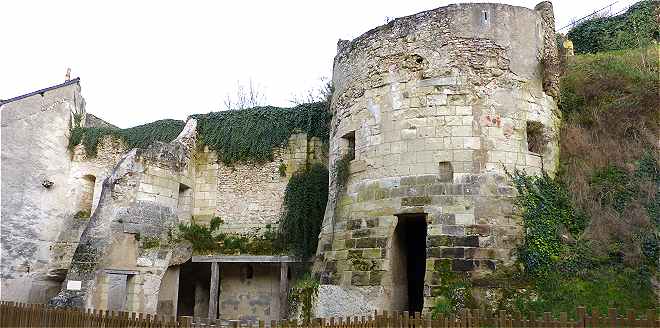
37 315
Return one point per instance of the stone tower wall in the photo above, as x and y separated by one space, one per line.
438 105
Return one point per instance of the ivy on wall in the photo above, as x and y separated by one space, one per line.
305 200
635 28
141 136
249 135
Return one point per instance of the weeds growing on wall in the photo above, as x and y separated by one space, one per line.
454 292
249 135
636 28
303 296
305 199
141 136
206 239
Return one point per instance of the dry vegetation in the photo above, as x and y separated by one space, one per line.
611 107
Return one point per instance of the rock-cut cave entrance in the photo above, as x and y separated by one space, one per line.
409 262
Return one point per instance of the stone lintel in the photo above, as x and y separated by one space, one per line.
247 259
121 271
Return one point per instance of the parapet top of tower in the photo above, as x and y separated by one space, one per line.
526 37
463 20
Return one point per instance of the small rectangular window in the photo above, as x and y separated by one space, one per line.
350 144
446 172
537 139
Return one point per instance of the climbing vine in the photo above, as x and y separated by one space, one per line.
249 135
136 137
305 199
545 208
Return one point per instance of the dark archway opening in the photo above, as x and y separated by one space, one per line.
194 281
410 241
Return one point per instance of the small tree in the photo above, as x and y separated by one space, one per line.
246 97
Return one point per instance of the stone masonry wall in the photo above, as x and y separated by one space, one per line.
245 195
438 104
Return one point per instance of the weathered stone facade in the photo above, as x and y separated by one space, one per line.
433 108
108 222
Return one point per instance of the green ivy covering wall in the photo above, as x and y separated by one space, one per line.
249 135
304 207
141 136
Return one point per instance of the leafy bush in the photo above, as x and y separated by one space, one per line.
249 135
637 27
305 199
561 266
141 136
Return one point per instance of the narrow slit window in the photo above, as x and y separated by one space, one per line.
350 144
485 16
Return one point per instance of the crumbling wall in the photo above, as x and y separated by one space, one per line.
249 196
438 104
129 235
36 190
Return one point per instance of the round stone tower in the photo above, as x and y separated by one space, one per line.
429 112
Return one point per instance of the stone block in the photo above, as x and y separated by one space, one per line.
372 253
376 277
464 218
453 230
372 242
360 278
445 219
489 265
461 131
463 110
467 241
439 241
480 253
478 229
462 265
415 201
446 252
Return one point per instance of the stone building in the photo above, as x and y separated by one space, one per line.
428 113
96 231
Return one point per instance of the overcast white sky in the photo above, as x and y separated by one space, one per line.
140 61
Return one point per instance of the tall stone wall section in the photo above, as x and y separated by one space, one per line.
438 104
37 190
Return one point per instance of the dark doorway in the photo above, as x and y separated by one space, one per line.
409 261
194 281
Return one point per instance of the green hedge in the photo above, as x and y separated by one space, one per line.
637 27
